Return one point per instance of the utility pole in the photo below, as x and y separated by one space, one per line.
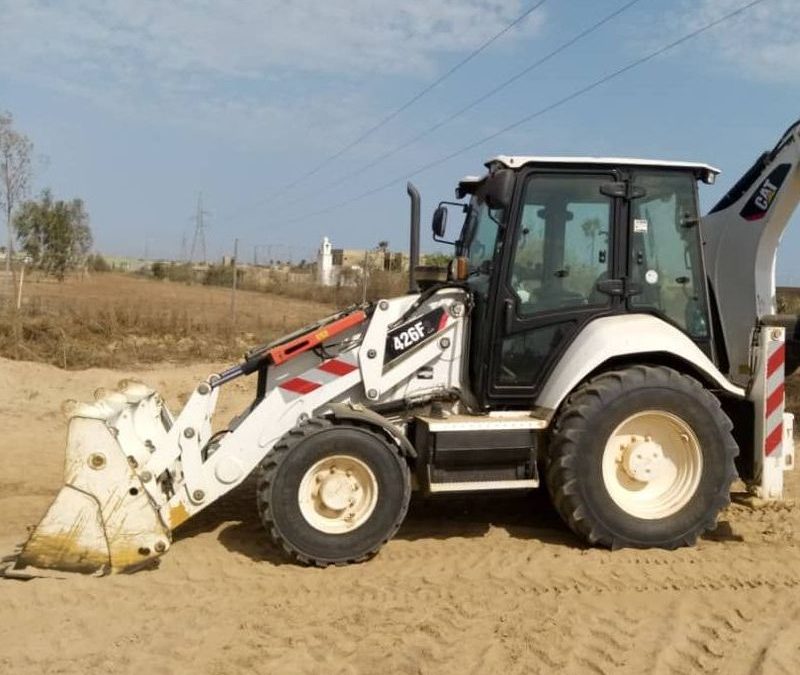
183 247
233 287
364 277
199 229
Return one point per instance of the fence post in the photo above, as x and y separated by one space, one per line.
233 287
19 292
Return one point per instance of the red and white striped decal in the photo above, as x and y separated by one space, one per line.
775 395
325 373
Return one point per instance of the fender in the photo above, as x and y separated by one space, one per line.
614 336
343 411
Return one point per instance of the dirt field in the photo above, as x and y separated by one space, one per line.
466 587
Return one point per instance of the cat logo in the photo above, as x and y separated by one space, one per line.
760 201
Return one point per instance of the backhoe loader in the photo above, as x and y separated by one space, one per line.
593 333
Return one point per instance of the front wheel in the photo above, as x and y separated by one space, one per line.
641 457
332 494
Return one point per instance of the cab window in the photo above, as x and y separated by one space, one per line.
665 251
562 243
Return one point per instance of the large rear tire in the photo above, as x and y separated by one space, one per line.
332 494
641 457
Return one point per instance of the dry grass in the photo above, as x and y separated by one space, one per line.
114 320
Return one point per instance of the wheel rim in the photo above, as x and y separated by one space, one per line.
652 464
338 494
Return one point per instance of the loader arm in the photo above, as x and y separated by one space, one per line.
741 234
134 472
357 370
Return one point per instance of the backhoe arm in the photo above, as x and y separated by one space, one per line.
742 233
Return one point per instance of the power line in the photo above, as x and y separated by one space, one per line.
525 71
527 118
426 89
392 115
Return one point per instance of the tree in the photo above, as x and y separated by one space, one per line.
15 173
159 270
436 259
54 234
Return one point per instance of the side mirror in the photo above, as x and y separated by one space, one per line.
500 189
439 221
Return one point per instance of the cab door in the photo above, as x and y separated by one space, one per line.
666 258
559 269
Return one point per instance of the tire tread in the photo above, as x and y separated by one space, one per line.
573 422
269 467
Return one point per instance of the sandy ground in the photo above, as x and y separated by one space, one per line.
467 586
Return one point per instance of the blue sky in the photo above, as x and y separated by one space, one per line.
137 105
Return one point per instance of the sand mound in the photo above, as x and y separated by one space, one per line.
468 586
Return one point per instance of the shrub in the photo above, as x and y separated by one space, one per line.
97 263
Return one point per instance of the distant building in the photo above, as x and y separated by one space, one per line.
337 266
325 263
124 264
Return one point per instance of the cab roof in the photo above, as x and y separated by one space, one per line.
516 161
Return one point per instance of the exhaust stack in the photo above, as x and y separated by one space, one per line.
413 248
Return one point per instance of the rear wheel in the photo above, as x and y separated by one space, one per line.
641 457
332 494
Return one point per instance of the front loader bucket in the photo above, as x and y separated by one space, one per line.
102 520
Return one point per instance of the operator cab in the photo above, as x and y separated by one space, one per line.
549 244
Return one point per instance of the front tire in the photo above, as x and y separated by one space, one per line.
641 457
332 494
